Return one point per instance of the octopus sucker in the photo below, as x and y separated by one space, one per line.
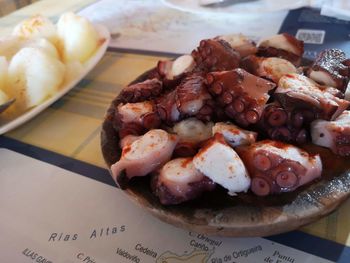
189 99
146 90
144 155
179 181
241 94
281 124
334 135
277 167
215 55
218 161
283 46
191 133
231 115
330 68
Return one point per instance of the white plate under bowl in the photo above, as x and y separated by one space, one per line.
9 125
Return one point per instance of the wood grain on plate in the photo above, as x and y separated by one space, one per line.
217 213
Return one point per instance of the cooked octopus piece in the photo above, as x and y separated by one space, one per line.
146 90
189 99
172 69
127 140
329 69
144 155
283 46
234 135
270 68
218 161
240 43
333 134
179 181
135 118
191 133
277 123
241 94
215 55
277 167
297 92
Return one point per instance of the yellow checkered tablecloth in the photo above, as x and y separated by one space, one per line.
72 125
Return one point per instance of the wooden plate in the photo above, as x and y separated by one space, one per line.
245 215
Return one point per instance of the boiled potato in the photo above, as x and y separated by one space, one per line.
78 38
36 27
3 81
44 45
3 73
3 97
33 76
10 45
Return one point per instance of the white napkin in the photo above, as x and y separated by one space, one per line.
334 8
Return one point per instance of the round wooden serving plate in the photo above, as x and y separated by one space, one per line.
245 215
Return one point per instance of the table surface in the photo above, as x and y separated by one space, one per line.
72 125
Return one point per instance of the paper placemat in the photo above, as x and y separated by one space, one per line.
53 215
151 25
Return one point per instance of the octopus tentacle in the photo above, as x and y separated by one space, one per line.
330 69
242 44
146 90
333 134
276 167
136 118
144 155
241 94
271 68
189 99
191 133
297 92
283 46
179 181
172 72
215 55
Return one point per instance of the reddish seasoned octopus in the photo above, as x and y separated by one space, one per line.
277 167
189 99
333 134
297 92
270 68
191 133
179 181
241 94
277 123
148 89
283 46
331 68
144 155
222 116
243 45
218 161
215 55
135 118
